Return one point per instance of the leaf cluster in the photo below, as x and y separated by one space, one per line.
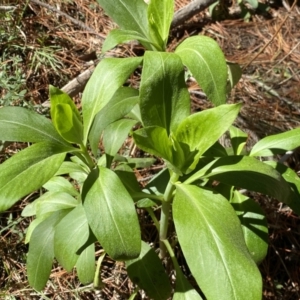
90 196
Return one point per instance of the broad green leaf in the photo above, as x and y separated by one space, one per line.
135 114
86 265
41 251
148 273
254 225
154 140
128 178
292 178
28 170
277 143
22 125
111 214
160 15
202 130
206 61
114 136
68 167
159 182
215 248
119 36
108 76
70 234
216 150
251 174
54 201
128 14
60 184
65 116
58 96
44 206
164 98
33 224
120 104
67 124
238 139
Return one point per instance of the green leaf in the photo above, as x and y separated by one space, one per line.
160 15
206 61
164 98
60 184
70 234
33 224
65 116
108 76
234 75
41 251
67 124
254 225
111 214
159 182
114 136
154 140
292 178
215 248
277 143
128 14
238 139
140 162
253 3
148 273
201 130
121 103
54 201
251 174
21 125
68 167
34 166
128 178
119 36
86 265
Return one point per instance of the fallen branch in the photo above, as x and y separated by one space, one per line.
190 10
7 8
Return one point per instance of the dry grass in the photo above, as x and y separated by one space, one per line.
269 89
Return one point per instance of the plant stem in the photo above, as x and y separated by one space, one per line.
153 217
98 284
165 213
172 255
87 157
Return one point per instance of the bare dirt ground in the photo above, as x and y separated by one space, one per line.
54 49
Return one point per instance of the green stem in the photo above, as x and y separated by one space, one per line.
98 284
165 213
87 158
153 217
172 255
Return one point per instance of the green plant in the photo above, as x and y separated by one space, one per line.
220 10
91 197
12 80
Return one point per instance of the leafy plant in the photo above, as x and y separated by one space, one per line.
219 10
91 197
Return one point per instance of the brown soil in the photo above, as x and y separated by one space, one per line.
269 89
